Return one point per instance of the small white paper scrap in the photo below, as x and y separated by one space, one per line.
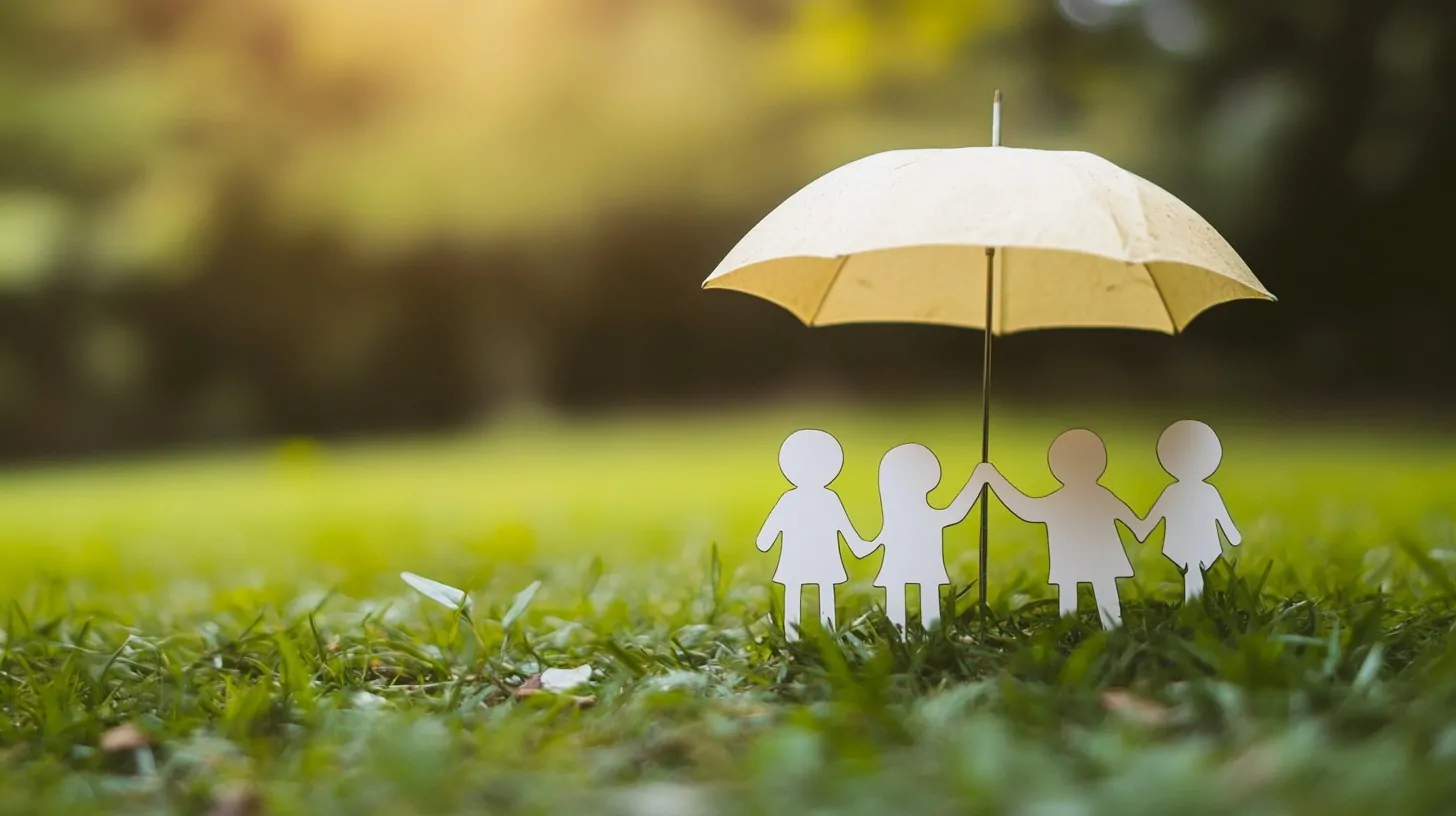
558 681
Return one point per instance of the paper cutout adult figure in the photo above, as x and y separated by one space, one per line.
1080 518
913 531
811 518
1190 451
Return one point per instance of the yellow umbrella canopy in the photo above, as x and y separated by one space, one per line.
903 236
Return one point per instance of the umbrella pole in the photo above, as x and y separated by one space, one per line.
986 416
986 371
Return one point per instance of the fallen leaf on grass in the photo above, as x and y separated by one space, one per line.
1140 710
664 799
126 737
533 686
749 709
1254 768
377 666
237 800
367 701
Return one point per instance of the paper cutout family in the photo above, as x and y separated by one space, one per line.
1080 518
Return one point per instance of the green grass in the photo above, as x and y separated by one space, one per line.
245 612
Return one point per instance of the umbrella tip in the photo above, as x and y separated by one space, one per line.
996 119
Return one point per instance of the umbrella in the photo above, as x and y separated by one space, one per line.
995 238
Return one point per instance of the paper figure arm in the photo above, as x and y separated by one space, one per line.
772 527
961 505
861 548
1144 527
1141 528
1226 522
1022 505
857 545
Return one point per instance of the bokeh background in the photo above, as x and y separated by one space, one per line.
225 221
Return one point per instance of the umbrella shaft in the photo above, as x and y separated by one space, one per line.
986 413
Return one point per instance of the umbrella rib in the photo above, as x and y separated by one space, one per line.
1157 287
843 259
1142 210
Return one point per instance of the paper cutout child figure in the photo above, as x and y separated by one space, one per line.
913 532
1190 451
1081 520
811 519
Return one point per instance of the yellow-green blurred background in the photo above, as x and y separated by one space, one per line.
224 220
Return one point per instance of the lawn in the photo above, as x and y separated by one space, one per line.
228 633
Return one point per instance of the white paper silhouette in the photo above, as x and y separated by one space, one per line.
1190 451
811 519
1081 520
913 531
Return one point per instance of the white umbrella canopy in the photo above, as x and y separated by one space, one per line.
902 236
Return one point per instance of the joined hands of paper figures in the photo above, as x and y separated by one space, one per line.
1194 510
1081 520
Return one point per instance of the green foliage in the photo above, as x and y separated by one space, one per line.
394 128
244 614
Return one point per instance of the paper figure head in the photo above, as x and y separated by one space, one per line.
1189 450
1077 457
909 470
810 458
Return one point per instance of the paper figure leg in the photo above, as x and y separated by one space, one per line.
1067 598
792 604
1192 583
1108 603
895 605
929 606
826 605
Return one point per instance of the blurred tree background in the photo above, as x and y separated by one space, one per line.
223 220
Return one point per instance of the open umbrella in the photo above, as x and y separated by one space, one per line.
994 238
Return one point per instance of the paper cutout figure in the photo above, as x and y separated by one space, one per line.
811 519
1080 518
1190 451
913 531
